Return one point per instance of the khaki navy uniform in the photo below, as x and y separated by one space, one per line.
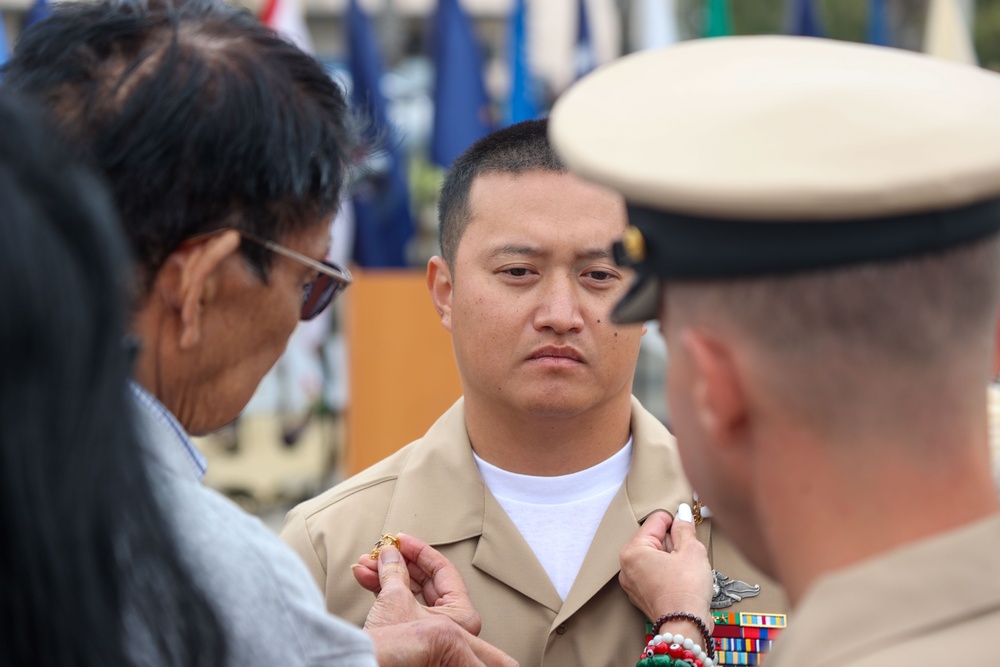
432 489
934 602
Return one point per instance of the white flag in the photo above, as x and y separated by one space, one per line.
948 34
652 24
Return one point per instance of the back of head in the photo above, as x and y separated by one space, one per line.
88 553
517 149
199 116
862 348
831 204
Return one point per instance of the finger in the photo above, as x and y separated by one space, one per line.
489 654
367 578
653 531
683 514
437 575
443 587
392 572
683 532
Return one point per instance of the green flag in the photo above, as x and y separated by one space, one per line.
718 23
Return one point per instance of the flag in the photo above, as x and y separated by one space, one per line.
718 22
38 11
523 103
383 224
461 107
878 24
947 33
652 24
287 18
4 50
583 55
804 19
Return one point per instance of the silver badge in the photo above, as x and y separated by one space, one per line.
726 592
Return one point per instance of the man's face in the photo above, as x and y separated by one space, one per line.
533 284
249 329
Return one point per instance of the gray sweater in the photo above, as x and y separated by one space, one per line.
272 611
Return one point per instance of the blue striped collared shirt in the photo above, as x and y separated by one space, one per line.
161 414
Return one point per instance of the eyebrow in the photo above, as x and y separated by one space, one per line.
515 250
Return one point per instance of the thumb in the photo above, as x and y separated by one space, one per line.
682 531
654 530
392 572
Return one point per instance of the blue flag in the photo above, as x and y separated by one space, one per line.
461 107
878 24
383 223
805 20
523 103
4 50
583 55
38 11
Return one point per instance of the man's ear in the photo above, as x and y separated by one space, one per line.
441 287
190 278
718 398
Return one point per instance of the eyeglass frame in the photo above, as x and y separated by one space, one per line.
341 277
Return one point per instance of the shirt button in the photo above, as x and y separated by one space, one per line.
561 630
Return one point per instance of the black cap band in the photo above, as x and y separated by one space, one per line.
687 247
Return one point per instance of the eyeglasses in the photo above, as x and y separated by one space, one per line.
317 295
330 281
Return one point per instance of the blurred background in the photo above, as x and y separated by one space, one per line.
427 78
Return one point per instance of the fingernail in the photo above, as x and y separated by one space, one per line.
684 513
354 565
389 554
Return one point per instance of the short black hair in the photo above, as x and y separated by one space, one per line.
516 149
199 117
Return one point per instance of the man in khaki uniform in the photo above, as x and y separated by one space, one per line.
533 481
816 224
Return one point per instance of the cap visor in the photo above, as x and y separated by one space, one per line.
640 304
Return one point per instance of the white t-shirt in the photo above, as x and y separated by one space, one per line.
558 516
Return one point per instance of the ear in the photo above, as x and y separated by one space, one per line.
441 287
190 278
718 397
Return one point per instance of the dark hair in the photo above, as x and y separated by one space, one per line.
199 116
515 149
87 556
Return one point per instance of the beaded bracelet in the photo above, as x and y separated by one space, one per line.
669 650
684 616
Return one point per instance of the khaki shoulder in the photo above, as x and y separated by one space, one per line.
375 480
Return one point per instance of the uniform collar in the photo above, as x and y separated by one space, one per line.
443 461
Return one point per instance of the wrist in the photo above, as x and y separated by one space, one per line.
681 627
688 625
692 605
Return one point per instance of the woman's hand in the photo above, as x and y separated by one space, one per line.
665 568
